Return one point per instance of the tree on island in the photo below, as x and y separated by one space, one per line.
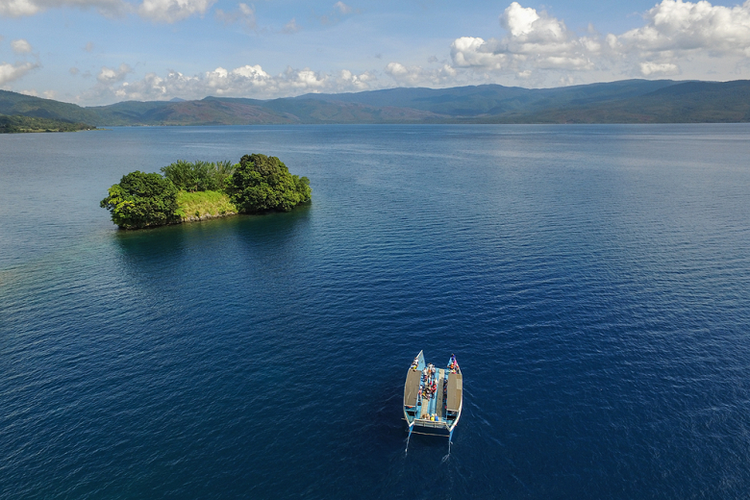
261 183
142 200
199 175
257 184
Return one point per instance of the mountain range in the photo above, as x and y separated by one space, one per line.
628 101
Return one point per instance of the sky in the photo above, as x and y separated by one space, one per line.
98 52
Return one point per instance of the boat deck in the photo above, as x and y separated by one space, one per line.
439 413
435 404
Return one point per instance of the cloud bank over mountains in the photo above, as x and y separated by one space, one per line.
530 48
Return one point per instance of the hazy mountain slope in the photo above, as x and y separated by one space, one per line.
495 100
628 101
322 111
13 103
688 102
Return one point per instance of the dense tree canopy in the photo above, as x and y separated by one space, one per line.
142 200
199 175
261 183
257 184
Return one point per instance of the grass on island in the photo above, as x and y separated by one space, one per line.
204 203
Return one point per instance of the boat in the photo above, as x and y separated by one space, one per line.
433 397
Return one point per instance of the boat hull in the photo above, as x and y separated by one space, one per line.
432 398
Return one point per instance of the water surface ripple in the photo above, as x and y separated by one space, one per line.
593 282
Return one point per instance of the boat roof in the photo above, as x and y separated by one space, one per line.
412 387
455 391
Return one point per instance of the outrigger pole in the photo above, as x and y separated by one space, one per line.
411 427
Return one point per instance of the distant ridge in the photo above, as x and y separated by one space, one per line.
627 101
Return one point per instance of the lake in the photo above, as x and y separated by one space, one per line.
593 282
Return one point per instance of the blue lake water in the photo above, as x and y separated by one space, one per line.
593 282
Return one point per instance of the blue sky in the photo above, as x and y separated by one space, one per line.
94 52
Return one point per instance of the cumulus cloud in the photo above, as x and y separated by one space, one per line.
674 25
166 11
170 11
291 27
675 32
417 75
21 46
244 81
11 72
108 76
342 8
244 15
469 51
535 40
18 8
651 68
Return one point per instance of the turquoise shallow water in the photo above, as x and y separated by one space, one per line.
592 281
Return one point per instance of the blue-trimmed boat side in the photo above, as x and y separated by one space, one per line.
433 397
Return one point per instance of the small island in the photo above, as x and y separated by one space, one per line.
19 124
193 191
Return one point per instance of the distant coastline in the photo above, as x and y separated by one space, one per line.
20 124
627 101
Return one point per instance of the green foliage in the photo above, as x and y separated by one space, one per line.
21 124
202 203
199 175
257 184
142 200
261 183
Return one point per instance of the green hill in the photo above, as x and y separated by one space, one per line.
20 124
627 101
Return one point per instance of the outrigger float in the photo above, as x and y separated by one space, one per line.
433 398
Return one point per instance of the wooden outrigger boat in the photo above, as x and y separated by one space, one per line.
433 397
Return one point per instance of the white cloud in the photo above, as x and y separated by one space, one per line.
21 46
416 75
652 68
534 41
12 72
674 25
166 11
244 15
342 8
675 33
469 51
18 8
291 27
244 81
170 11
108 76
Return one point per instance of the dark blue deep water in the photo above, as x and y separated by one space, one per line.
593 281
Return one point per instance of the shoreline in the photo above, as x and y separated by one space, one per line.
204 217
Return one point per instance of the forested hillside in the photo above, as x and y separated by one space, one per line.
629 101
